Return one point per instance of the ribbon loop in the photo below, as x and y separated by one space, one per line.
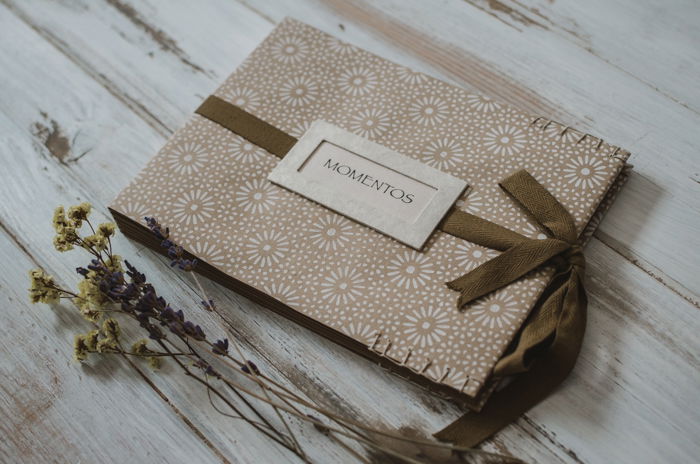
541 205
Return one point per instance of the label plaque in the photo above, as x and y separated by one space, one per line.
365 181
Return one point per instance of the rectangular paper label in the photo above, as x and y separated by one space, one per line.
358 178
368 183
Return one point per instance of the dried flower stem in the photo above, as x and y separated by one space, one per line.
254 374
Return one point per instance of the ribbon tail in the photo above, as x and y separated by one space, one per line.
531 387
537 331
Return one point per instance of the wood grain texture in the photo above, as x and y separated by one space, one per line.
81 78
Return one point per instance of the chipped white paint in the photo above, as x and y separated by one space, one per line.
82 77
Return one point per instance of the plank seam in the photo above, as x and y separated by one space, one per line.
649 272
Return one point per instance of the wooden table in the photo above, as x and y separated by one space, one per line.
89 90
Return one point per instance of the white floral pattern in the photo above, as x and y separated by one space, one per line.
428 111
426 326
290 50
135 209
443 154
243 97
410 270
193 207
256 196
208 252
298 91
342 286
504 140
410 76
469 255
330 233
187 158
482 103
244 151
359 331
496 311
283 292
340 48
585 171
357 81
266 248
474 203
370 123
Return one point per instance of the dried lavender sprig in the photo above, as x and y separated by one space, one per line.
176 254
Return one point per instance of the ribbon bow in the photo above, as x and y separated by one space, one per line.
554 330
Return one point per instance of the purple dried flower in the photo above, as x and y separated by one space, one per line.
136 277
318 425
154 332
206 367
187 264
220 347
175 252
156 228
176 328
193 331
250 367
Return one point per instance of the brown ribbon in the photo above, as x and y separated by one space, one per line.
546 348
548 344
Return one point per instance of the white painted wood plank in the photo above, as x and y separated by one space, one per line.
53 409
656 43
632 396
301 357
133 54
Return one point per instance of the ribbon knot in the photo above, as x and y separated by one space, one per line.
569 259
521 254
545 350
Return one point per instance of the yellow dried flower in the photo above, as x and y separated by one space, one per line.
62 244
89 314
91 339
106 345
59 219
43 288
66 235
106 229
77 214
80 349
154 362
96 242
114 264
140 347
90 294
110 328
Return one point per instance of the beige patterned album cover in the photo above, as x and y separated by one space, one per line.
352 284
